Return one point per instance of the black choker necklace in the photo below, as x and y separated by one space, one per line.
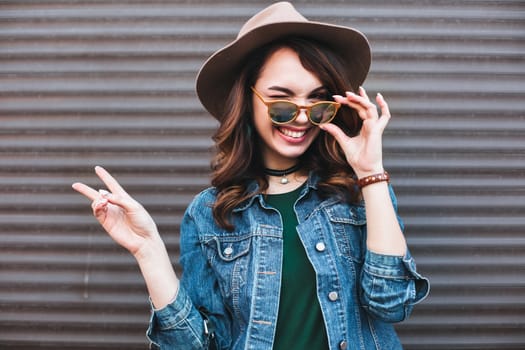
283 173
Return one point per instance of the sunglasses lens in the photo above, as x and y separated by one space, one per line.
322 112
282 112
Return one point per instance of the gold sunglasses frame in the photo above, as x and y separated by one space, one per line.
298 108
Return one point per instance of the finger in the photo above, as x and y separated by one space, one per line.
118 195
358 101
110 181
99 204
362 93
100 208
126 202
364 108
87 191
385 111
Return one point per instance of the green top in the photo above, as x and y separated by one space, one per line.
300 321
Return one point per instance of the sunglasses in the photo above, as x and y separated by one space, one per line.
284 112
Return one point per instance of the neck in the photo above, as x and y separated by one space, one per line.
283 173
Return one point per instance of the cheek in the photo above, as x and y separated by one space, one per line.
262 122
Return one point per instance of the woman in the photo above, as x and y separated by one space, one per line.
297 245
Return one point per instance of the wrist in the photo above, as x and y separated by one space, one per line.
374 178
151 249
361 173
158 272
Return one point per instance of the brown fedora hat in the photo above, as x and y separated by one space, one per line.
217 75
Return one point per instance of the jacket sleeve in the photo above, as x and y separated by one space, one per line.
197 318
391 285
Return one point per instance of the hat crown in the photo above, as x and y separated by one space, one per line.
277 13
220 71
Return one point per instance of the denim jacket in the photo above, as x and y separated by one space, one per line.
229 293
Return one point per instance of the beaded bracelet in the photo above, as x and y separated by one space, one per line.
372 179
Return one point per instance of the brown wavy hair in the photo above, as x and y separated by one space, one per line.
238 162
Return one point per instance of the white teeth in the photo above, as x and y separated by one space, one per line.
294 134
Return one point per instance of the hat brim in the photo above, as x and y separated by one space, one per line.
217 75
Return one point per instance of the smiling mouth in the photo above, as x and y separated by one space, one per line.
293 133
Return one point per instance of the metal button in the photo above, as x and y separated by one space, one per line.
333 296
228 251
320 247
343 345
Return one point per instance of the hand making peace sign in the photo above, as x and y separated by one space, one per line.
124 219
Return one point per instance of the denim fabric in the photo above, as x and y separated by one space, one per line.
235 277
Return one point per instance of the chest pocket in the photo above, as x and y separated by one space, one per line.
349 229
229 257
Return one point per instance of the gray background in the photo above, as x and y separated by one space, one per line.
112 83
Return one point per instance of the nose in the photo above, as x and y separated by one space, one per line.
302 117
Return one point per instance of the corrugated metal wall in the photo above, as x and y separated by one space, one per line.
111 83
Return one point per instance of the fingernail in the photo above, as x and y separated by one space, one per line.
103 193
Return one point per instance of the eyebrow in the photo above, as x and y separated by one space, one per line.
291 93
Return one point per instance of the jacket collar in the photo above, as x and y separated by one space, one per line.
253 187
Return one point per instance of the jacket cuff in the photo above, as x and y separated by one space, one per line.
404 267
172 314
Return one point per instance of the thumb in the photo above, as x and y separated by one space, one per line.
335 131
124 201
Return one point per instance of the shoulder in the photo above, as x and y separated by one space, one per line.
202 201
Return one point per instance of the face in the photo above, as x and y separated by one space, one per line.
284 77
